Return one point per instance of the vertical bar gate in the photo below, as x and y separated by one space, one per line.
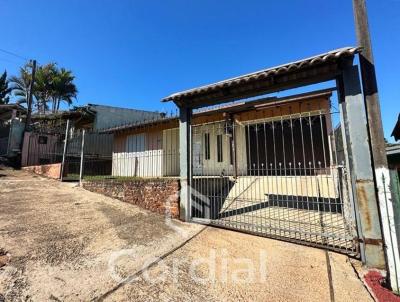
283 177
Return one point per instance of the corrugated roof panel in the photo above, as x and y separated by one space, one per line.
265 73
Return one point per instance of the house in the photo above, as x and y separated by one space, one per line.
393 156
393 150
44 143
396 129
96 117
222 137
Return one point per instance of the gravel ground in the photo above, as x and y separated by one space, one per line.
59 242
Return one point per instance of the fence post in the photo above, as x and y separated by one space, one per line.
392 199
82 155
395 190
64 151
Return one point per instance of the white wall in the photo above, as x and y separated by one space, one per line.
142 157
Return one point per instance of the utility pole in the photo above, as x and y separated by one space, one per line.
30 96
377 142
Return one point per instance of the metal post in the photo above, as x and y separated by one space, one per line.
378 145
355 124
185 141
234 145
64 151
82 155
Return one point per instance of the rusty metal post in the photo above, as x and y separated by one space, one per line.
185 147
358 152
378 145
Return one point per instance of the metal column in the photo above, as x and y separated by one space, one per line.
185 116
82 158
64 151
355 120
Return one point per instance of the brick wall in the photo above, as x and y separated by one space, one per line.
151 194
51 171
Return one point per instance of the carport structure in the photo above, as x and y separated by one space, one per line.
321 201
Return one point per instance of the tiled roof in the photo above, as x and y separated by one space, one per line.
330 56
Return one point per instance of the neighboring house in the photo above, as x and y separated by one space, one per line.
396 129
222 138
393 156
393 150
97 117
44 144
11 129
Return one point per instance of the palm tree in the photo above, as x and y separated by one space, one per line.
64 89
20 84
43 88
52 85
4 89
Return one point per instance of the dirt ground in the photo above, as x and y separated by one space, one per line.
59 242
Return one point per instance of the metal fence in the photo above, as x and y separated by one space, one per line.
148 154
283 176
152 153
89 154
277 177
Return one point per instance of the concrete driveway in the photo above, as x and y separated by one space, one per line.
59 242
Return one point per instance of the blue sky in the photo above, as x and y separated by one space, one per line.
133 53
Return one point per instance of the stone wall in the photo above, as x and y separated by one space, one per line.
51 171
157 195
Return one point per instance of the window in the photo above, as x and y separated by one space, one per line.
42 140
219 148
207 146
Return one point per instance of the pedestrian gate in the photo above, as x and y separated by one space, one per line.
284 177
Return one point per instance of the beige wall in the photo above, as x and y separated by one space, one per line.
159 151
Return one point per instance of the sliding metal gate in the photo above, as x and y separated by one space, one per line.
284 177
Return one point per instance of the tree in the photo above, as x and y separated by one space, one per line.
64 89
5 90
53 86
43 88
20 84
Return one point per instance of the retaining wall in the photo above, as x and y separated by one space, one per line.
157 195
51 171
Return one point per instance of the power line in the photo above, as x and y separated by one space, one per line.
14 54
10 61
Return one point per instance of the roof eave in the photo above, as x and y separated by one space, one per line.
319 68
